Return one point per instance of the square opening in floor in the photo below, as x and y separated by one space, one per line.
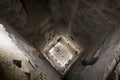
61 55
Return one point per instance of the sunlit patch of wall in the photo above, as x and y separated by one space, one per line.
19 60
7 45
9 53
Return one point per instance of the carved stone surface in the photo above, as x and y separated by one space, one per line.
91 24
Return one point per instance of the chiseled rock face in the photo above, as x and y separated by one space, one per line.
92 24
19 60
80 20
83 21
107 61
13 13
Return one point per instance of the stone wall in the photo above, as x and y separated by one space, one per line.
92 24
19 60
13 12
103 63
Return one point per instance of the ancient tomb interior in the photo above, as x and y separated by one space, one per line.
59 39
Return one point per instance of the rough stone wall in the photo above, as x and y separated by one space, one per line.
104 64
81 20
13 12
19 60
32 19
90 18
96 20
90 23
108 59
40 21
